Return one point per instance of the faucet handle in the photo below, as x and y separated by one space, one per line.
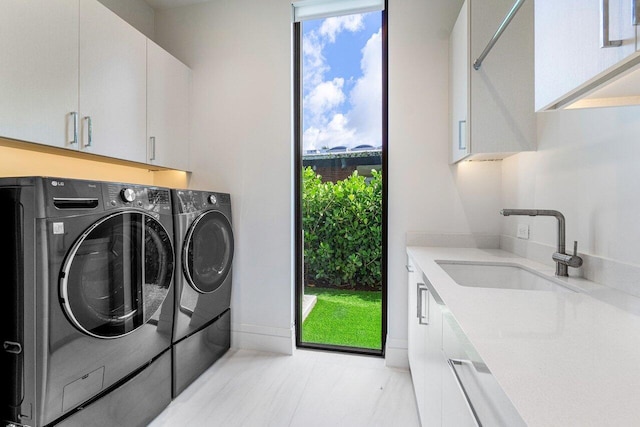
566 259
575 260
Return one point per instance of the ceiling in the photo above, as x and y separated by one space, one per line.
169 4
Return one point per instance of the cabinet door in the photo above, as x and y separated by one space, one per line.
168 82
112 84
568 52
459 85
39 72
456 409
416 337
433 365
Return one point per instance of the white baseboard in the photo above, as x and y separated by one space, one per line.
263 338
396 354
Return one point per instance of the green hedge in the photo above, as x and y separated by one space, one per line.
342 225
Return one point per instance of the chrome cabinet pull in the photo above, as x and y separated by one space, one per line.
418 300
409 268
89 131
74 141
421 317
462 145
635 7
604 27
152 142
452 363
12 347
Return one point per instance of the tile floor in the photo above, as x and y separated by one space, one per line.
310 388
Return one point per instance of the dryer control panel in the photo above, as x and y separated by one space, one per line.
190 201
148 198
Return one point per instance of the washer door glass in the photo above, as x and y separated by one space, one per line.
208 252
117 274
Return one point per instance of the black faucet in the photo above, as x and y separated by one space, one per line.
562 259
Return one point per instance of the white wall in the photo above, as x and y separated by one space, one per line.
242 144
588 167
136 12
425 193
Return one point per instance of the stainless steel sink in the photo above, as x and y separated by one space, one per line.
502 276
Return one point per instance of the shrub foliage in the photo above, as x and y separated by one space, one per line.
342 225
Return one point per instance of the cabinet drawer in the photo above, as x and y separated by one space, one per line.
477 390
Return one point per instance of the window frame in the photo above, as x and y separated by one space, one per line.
297 175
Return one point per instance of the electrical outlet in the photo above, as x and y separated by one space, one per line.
523 231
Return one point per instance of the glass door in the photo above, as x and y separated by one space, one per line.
340 117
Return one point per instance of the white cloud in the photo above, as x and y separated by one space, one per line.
325 125
333 26
366 95
334 133
324 98
314 65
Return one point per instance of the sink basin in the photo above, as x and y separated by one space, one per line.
502 276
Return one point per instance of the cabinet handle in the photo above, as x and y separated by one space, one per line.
89 131
635 5
462 144
604 27
12 347
152 143
421 317
74 141
452 363
409 268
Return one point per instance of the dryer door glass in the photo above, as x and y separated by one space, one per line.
117 275
208 252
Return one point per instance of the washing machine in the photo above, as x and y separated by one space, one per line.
87 303
204 255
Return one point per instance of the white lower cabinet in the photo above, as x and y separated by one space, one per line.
456 409
417 337
425 347
433 368
453 386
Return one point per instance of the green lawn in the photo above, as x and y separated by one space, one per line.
343 317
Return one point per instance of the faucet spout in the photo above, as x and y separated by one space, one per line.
560 256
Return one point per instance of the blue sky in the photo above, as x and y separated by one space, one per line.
342 81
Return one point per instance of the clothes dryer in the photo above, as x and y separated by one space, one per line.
204 251
87 306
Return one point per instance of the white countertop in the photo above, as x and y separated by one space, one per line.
563 358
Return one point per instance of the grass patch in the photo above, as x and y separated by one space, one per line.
343 317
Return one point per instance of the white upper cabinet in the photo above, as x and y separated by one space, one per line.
113 73
574 62
39 71
459 87
168 84
74 75
498 98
